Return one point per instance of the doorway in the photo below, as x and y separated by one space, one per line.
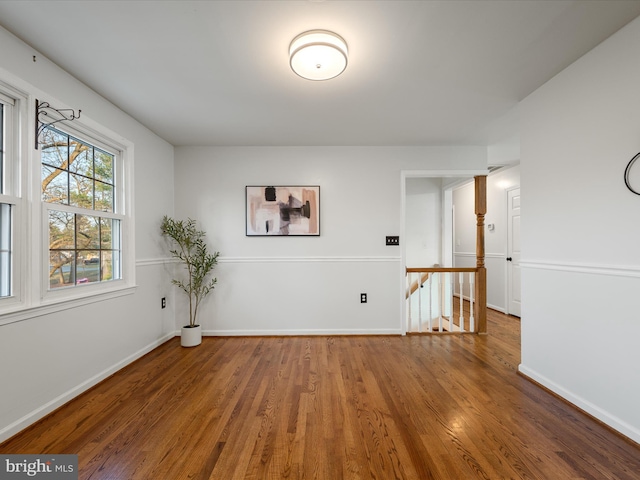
427 224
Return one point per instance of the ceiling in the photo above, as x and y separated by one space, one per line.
217 72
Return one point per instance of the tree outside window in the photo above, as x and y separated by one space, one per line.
84 236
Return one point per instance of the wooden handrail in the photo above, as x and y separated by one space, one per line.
442 269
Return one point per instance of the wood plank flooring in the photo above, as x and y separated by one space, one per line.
331 408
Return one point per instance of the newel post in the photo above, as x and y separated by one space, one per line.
481 275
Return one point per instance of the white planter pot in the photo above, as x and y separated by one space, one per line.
191 336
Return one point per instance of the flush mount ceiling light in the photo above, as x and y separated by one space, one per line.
318 55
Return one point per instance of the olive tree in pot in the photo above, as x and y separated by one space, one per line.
189 248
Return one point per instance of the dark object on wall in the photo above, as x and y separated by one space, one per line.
627 172
270 194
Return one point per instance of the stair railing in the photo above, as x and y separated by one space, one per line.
441 300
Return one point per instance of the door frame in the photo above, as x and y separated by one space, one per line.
463 176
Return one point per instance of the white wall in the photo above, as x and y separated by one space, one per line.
581 234
297 285
498 183
48 358
423 222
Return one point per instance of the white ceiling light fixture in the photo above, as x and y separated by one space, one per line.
318 55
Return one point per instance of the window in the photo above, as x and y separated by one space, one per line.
80 194
7 201
65 237
5 250
2 148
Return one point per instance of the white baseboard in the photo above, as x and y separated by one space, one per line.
288 333
40 412
497 308
608 419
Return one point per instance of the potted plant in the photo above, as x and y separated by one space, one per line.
189 247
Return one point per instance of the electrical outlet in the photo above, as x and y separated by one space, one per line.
393 240
363 298
164 302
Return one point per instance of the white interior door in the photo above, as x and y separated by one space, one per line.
513 251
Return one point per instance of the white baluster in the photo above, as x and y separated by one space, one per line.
461 279
440 300
472 323
419 302
429 303
450 280
409 319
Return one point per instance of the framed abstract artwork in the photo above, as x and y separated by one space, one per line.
283 210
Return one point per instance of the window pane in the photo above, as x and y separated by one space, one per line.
61 230
55 185
104 197
80 191
116 264
5 250
87 232
107 266
5 227
55 149
2 159
62 269
103 166
88 266
80 157
109 239
5 274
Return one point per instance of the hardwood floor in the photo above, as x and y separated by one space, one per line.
331 408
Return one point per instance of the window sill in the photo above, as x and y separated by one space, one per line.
18 312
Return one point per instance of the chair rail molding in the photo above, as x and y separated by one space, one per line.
592 268
310 259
